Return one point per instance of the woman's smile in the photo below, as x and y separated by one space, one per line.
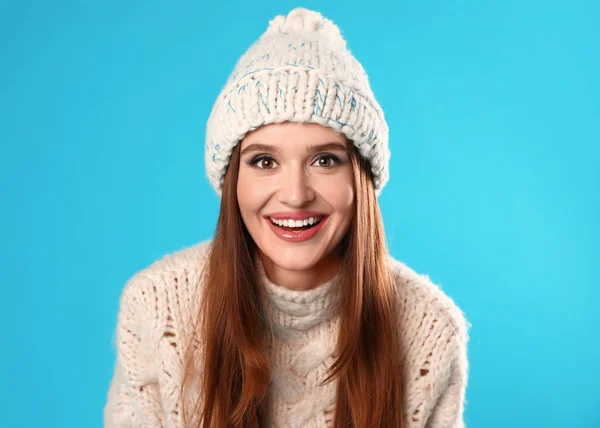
300 231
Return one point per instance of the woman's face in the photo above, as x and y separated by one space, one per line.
287 172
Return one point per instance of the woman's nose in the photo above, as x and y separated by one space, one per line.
295 188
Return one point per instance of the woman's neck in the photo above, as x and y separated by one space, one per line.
294 314
301 280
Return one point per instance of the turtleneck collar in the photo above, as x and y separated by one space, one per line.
293 312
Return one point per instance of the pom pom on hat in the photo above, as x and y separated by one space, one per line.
299 70
303 19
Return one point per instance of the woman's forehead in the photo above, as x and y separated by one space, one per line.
289 134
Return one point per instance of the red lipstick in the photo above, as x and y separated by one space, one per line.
296 235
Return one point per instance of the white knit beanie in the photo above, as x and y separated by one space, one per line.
299 71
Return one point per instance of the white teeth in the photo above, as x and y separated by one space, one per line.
297 223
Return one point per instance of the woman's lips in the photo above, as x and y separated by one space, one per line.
290 235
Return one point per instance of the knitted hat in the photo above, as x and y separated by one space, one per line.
299 71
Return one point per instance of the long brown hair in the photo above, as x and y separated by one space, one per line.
231 367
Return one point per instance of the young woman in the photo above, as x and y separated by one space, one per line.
294 314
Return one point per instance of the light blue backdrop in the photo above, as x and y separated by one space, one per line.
494 110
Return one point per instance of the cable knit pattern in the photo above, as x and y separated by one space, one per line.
304 325
156 317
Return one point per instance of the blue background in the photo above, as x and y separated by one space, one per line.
494 111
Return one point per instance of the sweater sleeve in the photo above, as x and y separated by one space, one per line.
449 408
133 398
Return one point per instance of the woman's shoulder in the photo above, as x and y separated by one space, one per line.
167 284
421 297
183 261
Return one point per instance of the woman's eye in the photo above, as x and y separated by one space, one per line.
262 162
327 161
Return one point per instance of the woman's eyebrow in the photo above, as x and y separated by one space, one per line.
260 147
324 147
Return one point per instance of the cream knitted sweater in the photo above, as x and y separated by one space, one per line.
156 317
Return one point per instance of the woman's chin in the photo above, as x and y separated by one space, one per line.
297 262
